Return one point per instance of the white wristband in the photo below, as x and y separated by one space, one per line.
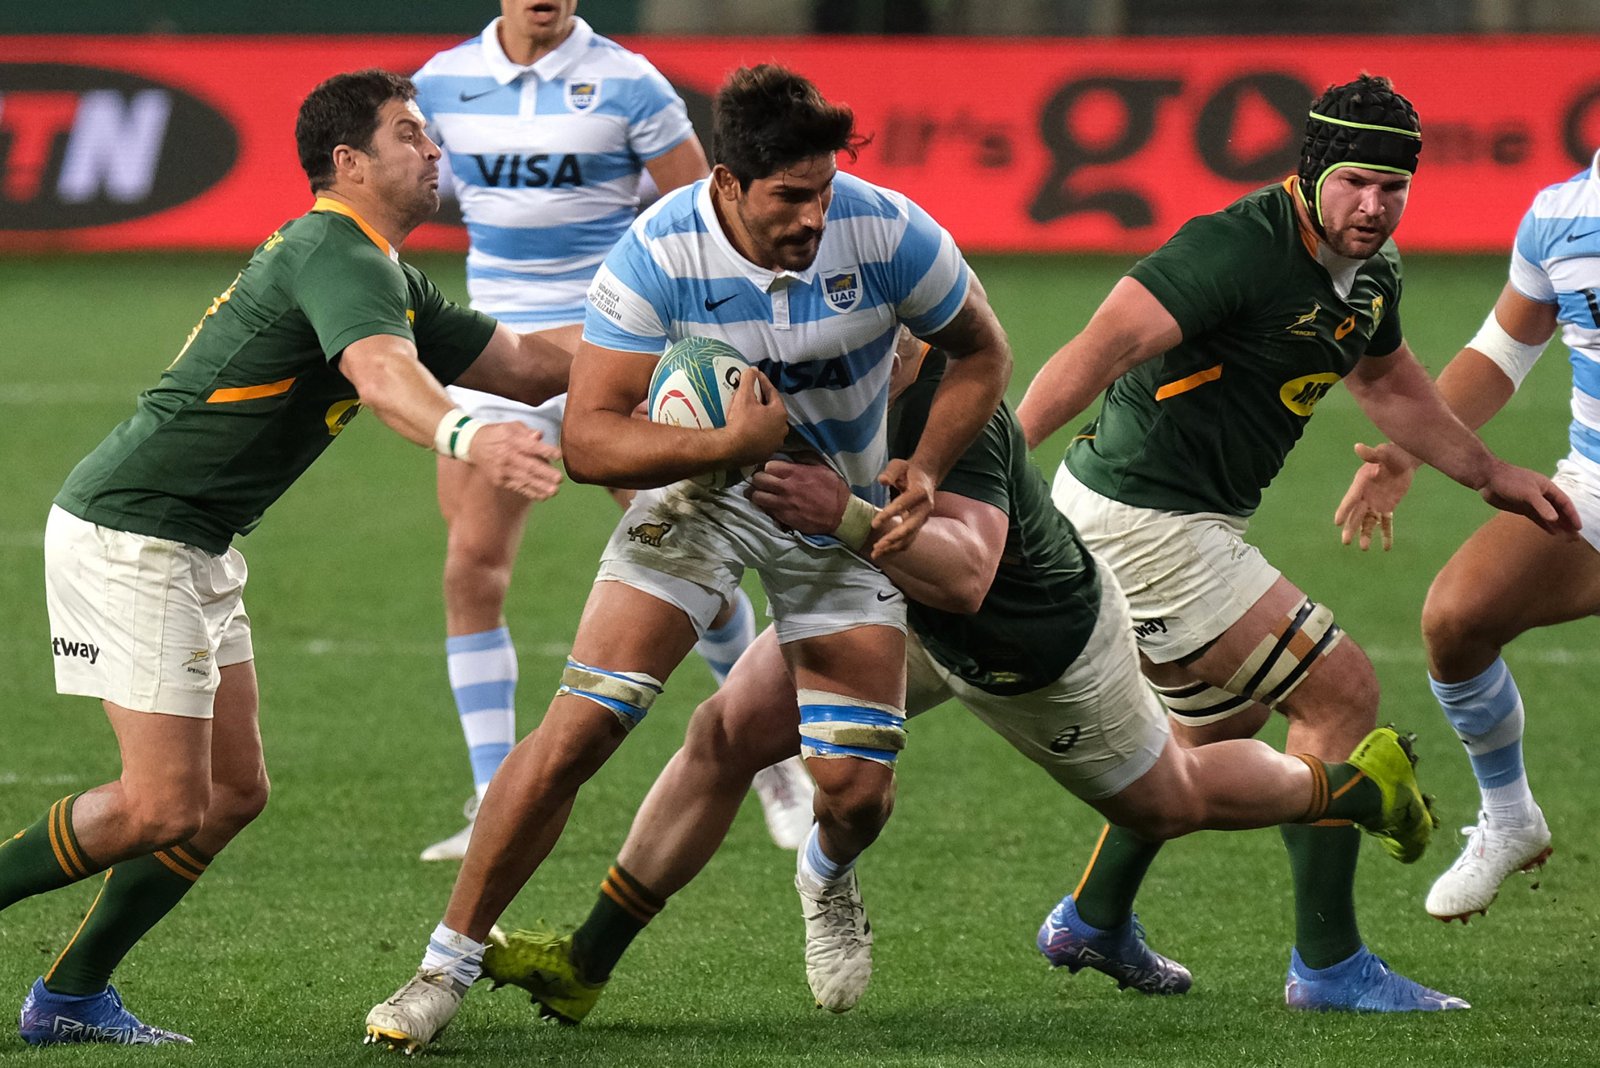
855 526
453 436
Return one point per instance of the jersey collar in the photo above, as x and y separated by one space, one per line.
760 277
547 67
339 207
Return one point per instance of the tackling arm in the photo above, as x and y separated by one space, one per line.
1128 328
974 383
950 566
530 368
392 382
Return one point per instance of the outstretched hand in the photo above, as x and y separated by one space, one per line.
1528 493
1377 488
517 459
895 527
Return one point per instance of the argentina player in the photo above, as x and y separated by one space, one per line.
794 265
1510 577
548 129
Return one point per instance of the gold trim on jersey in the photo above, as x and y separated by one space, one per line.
339 207
1194 381
244 393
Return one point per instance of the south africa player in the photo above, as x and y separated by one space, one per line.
145 591
1216 349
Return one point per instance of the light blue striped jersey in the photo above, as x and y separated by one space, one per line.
545 161
1556 260
824 336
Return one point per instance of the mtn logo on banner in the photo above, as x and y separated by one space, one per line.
82 146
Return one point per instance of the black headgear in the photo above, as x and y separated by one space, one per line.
1363 123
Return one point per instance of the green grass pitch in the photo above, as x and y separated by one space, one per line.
321 908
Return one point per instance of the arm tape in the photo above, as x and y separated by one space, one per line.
1510 355
855 526
453 436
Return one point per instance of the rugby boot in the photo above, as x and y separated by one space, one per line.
1492 853
417 1013
1068 942
60 1019
540 962
1406 820
838 940
1360 983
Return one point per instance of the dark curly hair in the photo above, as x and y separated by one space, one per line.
343 111
768 118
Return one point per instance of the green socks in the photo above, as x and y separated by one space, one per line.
1104 897
1323 863
43 857
136 894
621 912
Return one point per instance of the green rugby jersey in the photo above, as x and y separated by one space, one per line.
1205 426
1041 609
255 394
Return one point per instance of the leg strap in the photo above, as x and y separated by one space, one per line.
1276 666
833 725
627 694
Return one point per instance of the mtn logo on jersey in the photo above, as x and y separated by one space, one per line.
1300 395
582 96
842 289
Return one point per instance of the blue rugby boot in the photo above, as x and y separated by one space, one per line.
1360 983
58 1019
1066 941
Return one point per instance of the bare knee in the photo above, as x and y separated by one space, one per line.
235 804
722 745
1460 637
852 794
156 820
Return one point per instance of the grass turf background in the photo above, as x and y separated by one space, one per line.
321 908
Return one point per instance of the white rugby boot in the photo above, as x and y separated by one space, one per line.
785 790
455 847
838 941
417 1013
1492 853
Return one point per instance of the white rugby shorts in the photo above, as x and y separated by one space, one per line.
493 408
1579 477
688 546
143 622
1097 729
1188 576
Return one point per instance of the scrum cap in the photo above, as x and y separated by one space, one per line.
1363 123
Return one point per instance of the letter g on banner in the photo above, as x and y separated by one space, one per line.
1072 149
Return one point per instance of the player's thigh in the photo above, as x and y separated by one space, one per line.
237 758
1187 576
1287 652
141 622
1096 729
753 719
1510 577
485 521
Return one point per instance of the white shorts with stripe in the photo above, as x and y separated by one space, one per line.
1188 576
688 546
143 622
1096 729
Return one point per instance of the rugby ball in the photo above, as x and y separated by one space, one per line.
692 387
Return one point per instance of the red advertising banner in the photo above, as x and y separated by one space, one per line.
1015 145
